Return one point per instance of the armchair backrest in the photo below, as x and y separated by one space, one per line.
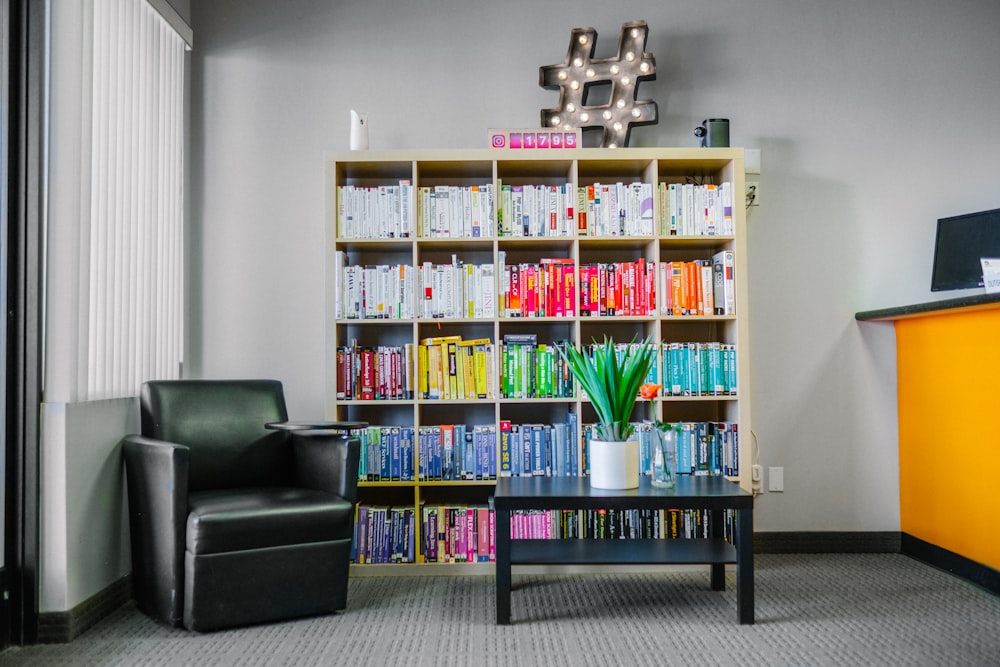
222 423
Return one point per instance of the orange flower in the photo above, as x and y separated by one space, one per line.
649 390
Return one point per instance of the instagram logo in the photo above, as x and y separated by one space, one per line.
498 141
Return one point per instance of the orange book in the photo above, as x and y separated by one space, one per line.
677 287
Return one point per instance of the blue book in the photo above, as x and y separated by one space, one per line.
385 466
491 451
396 459
406 454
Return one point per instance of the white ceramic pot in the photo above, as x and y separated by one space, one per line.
614 465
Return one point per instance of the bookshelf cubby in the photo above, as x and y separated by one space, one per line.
403 252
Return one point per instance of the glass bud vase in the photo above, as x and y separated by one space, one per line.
664 458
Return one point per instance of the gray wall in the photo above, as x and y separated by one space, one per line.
874 120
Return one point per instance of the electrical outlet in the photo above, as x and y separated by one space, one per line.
753 193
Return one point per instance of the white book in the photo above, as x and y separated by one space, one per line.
487 291
405 209
724 282
475 212
726 197
467 219
355 292
442 211
342 211
707 289
488 214
339 260
437 296
427 290
425 211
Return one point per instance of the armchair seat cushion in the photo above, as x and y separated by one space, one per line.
227 520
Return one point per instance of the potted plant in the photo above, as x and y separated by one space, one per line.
612 383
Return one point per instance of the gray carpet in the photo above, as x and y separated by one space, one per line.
835 609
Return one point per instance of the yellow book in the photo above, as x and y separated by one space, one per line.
476 341
433 371
459 371
468 366
470 292
450 364
437 340
422 384
481 361
490 372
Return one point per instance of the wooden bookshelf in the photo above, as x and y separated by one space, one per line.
556 168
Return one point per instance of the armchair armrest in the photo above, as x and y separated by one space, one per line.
156 472
327 462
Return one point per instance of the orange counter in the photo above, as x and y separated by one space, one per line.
948 365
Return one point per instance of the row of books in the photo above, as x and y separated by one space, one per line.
398 210
537 210
699 287
383 211
373 291
706 448
445 452
454 211
560 449
614 289
451 368
450 452
459 533
615 209
687 209
699 369
387 453
458 289
623 524
375 373
534 450
384 534
529 369
547 288
459 452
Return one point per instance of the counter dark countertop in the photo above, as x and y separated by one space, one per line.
972 302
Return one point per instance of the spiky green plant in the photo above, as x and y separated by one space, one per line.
612 384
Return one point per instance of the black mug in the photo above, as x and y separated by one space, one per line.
713 132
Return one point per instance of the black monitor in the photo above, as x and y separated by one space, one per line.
961 241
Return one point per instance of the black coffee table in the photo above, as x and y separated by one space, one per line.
555 493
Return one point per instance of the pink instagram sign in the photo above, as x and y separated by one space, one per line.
531 139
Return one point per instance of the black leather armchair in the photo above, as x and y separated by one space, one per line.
234 524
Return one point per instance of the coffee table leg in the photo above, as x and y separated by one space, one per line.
744 566
718 569
503 566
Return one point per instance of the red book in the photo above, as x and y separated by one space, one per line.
514 306
367 374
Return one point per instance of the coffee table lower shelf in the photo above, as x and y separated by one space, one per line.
714 494
618 552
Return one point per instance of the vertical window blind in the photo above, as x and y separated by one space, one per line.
134 313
